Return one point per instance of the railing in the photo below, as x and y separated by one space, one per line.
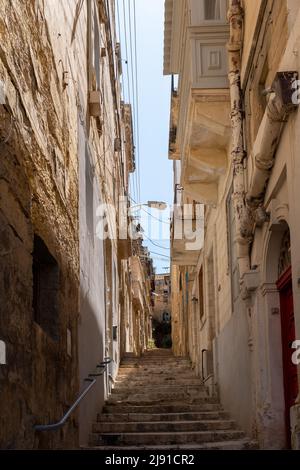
92 378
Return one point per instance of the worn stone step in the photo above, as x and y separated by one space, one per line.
162 380
157 359
156 367
164 438
140 417
163 426
167 408
158 402
163 362
122 385
162 398
161 388
241 444
171 371
147 376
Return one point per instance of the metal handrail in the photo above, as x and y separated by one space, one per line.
92 378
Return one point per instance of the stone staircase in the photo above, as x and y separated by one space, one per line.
159 403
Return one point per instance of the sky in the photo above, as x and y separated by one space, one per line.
151 104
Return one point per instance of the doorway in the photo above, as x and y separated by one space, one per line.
288 336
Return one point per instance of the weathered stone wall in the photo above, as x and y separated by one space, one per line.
38 194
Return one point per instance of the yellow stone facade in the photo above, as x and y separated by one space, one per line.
226 298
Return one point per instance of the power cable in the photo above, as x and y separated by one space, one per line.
156 244
137 96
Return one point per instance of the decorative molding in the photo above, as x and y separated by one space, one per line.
268 288
251 280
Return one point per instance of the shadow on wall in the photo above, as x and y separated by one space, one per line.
91 353
161 332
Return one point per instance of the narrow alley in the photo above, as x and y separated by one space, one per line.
149 226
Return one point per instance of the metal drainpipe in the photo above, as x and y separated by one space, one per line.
235 18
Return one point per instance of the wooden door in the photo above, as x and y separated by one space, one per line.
290 378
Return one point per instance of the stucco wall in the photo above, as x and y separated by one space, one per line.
232 359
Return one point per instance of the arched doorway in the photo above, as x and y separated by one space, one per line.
276 331
288 336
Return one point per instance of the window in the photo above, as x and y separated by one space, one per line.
212 10
45 288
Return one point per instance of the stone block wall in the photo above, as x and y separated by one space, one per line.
38 195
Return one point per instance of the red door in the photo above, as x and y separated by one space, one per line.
290 378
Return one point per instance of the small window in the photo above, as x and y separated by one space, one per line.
212 10
45 288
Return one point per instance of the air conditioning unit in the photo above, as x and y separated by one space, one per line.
95 103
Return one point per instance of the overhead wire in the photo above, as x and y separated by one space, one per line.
159 254
133 92
133 180
134 105
137 98
156 244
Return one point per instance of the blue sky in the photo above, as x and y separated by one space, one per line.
153 113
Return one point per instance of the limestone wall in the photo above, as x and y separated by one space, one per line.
38 194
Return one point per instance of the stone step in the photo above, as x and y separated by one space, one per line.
172 370
163 426
162 399
157 359
157 362
241 444
167 408
154 417
158 389
149 376
158 402
163 438
146 377
162 381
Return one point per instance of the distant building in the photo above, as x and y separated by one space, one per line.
161 298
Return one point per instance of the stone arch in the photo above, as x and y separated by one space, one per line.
275 262
272 246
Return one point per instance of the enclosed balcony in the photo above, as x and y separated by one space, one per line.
197 31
